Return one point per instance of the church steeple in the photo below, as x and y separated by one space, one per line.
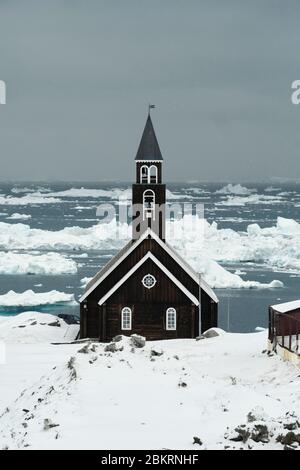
148 193
149 149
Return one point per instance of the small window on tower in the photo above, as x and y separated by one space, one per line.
144 174
153 174
149 204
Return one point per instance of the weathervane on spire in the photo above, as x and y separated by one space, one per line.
150 106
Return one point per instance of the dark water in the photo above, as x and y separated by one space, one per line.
239 310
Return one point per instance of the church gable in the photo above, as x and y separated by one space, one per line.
134 253
149 281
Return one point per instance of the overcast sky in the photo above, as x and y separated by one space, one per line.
80 74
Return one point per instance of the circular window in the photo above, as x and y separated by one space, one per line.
149 281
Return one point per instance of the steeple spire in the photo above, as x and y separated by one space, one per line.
149 149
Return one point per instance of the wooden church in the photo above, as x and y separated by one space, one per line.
147 288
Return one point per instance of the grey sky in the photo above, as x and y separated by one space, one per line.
79 75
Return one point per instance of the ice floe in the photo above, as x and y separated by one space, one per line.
237 189
251 199
34 198
30 298
276 247
17 216
44 264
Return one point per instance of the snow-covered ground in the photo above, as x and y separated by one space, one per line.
221 390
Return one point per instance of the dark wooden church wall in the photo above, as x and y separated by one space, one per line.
209 312
132 259
149 308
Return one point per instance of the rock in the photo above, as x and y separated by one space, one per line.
48 424
117 338
292 425
182 384
84 349
242 434
260 433
54 323
111 347
213 332
138 341
154 352
256 414
289 438
197 440
200 337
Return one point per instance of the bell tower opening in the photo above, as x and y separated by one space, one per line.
148 193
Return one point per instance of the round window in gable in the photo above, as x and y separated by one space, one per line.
149 281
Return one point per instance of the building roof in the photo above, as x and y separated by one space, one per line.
116 260
149 149
286 306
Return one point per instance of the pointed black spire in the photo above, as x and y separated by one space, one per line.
149 148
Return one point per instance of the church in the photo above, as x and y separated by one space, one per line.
147 288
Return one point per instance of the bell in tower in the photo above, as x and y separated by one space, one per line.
148 193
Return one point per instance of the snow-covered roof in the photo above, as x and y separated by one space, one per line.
287 306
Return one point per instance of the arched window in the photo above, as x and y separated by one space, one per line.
153 174
126 318
171 319
144 174
148 204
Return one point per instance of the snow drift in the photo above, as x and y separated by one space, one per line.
185 394
33 327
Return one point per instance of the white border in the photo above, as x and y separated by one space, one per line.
149 255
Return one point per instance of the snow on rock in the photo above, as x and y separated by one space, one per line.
29 298
32 327
237 189
187 395
45 264
17 216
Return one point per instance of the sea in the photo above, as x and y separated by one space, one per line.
38 218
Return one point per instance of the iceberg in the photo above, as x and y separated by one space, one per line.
29 298
237 189
17 216
44 264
